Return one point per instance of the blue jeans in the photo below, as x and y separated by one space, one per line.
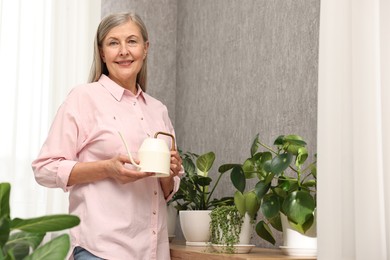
80 253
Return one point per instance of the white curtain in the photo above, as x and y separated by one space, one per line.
354 130
45 49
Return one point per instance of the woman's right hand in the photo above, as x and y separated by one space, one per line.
117 170
87 172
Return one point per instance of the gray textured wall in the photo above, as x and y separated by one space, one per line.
228 69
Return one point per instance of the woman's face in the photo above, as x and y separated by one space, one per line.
124 50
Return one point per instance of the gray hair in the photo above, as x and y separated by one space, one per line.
98 66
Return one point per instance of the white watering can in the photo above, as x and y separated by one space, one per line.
154 155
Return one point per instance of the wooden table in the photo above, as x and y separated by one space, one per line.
179 251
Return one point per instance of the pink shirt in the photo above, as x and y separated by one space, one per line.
118 221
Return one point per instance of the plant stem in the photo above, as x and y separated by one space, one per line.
215 185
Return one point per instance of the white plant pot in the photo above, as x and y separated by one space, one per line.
195 225
246 231
296 243
171 220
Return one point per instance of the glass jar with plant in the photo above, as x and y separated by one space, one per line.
286 183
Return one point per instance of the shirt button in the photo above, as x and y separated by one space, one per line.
142 118
154 232
134 103
155 192
154 212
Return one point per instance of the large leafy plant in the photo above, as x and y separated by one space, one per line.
286 184
22 238
196 187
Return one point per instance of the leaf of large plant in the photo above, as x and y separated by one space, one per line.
276 223
239 201
56 249
299 206
46 223
263 230
4 230
202 181
205 162
26 239
255 145
238 179
252 204
261 188
270 206
302 156
189 166
280 163
226 167
249 168
294 139
5 190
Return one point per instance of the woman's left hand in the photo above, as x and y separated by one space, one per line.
176 163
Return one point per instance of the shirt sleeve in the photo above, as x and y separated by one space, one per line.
58 154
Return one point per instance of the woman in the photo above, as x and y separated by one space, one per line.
122 210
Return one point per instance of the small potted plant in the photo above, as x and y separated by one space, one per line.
230 230
194 199
286 186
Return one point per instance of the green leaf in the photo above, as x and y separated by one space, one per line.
238 179
276 222
252 204
5 190
261 188
21 242
239 201
279 140
299 206
202 181
302 156
270 206
294 139
46 223
189 166
263 230
255 145
205 161
280 163
56 249
226 167
5 225
249 168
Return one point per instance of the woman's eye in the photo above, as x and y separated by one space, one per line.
112 43
132 42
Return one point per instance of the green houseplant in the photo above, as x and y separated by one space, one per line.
194 199
22 238
194 192
286 184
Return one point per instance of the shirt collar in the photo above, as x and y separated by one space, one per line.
117 91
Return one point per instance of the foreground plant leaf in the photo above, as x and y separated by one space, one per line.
46 223
55 249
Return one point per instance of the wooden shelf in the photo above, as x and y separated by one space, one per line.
179 251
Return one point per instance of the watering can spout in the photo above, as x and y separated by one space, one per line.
128 152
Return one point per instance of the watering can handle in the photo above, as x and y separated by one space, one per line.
128 152
173 148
